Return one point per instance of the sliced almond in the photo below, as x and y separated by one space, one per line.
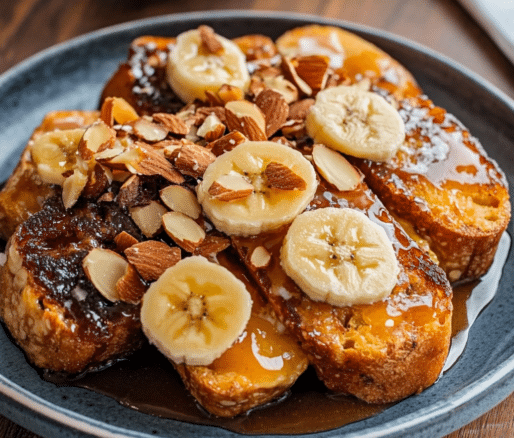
192 159
149 131
210 41
73 187
178 198
226 143
106 111
212 128
151 258
282 86
172 122
335 168
212 245
298 110
125 160
290 73
184 231
256 46
117 109
294 128
96 138
260 257
282 177
203 112
130 287
228 93
247 118
130 192
124 240
275 110
313 70
256 86
149 217
154 163
231 187
104 268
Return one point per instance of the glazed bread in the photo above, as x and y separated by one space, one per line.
442 185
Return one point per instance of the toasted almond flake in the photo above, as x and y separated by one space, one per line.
106 111
96 138
130 287
154 163
247 118
125 160
212 245
121 112
275 110
228 93
212 128
149 131
124 240
203 112
172 122
192 159
209 40
73 187
104 268
181 199
226 143
313 70
290 73
298 110
149 217
184 231
335 168
282 177
231 187
151 258
260 257
98 181
282 86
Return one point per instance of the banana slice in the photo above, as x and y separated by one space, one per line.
356 122
258 186
193 69
339 256
55 153
195 311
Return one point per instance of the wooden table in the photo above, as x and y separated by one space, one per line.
28 26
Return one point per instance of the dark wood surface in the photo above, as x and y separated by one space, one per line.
28 26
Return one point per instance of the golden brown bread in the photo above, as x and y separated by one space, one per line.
442 184
379 352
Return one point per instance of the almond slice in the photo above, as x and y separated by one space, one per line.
212 245
96 138
282 177
260 257
124 240
149 217
226 143
192 159
209 40
247 118
283 86
73 187
313 70
290 73
178 198
335 168
212 128
275 110
119 110
104 268
149 131
184 231
151 258
154 163
228 93
99 180
298 110
130 287
231 187
172 122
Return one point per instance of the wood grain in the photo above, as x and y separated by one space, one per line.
29 26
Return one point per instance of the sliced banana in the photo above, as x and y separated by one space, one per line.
258 186
195 311
339 256
356 122
55 153
192 70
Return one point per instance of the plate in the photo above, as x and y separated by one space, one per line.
71 76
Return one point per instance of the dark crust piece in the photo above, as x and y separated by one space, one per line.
52 311
380 352
445 186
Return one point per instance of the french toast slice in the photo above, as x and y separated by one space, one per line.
50 308
445 188
379 352
24 192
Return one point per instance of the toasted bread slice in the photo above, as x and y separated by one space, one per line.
379 352
24 193
52 311
442 184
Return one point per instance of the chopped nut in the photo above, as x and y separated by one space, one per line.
149 131
72 188
205 111
99 180
119 110
291 74
124 240
212 245
104 268
96 138
130 288
226 143
283 178
154 163
149 217
151 258
130 192
231 187
172 122
178 198
212 128
260 257
335 168
256 46
184 231
247 118
228 93
124 160
212 98
313 70
192 159
275 110
210 42
282 86
298 110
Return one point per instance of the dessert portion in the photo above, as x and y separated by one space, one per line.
210 204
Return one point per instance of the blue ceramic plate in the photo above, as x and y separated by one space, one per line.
71 76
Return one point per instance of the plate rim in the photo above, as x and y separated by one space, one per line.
495 377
